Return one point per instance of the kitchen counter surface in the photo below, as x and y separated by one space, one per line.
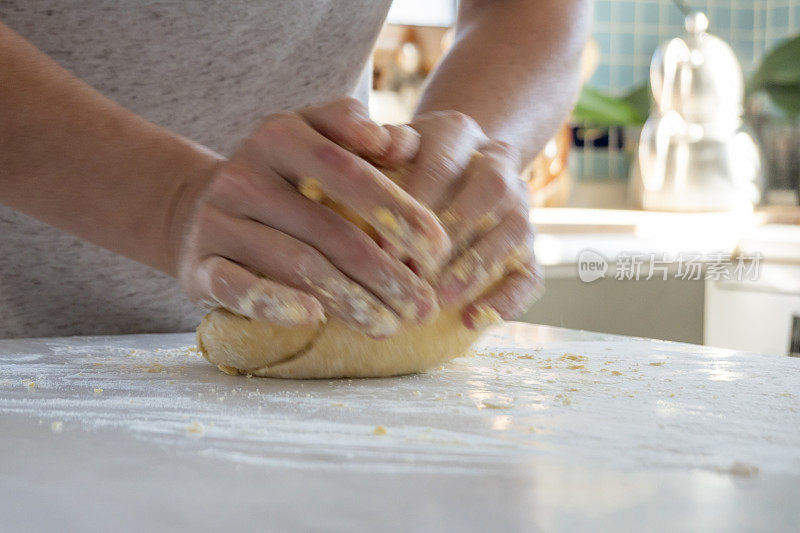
543 428
563 233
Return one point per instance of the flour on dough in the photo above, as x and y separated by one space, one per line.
237 344
330 350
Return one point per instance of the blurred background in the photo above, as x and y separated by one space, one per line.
678 169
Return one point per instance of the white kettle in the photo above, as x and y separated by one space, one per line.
695 153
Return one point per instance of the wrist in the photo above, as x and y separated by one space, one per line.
192 173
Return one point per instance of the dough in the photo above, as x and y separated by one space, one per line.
237 344
332 350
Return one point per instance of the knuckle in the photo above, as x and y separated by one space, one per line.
278 125
496 183
461 120
232 181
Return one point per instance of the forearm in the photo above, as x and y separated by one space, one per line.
78 161
514 68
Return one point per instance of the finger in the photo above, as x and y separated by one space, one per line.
346 122
506 301
443 156
222 283
403 147
299 154
281 258
342 243
505 247
489 190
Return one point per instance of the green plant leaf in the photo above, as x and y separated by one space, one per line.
596 108
780 66
640 99
786 98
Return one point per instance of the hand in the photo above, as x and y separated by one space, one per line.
472 183
262 245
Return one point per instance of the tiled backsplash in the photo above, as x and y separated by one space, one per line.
629 31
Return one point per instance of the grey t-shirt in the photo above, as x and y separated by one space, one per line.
207 70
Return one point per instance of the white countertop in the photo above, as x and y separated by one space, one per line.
564 232
617 434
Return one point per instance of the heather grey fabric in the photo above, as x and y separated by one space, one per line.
207 70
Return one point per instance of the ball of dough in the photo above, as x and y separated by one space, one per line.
238 344
332 350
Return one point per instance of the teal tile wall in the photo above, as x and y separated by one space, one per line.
628 32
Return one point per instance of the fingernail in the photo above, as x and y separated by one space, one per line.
374 138
408 142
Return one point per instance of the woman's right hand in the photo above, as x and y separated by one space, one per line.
254 244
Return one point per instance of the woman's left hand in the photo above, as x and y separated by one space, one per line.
472 182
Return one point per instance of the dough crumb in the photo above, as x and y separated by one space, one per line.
659 363
30 384
387 219
154 368
311 188
740 469
573 357
379 430
616 373
195 427
57 426
98 391
564 399
337 404
496 405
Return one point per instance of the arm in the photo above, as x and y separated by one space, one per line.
513 68
490 106
237 231
78 161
